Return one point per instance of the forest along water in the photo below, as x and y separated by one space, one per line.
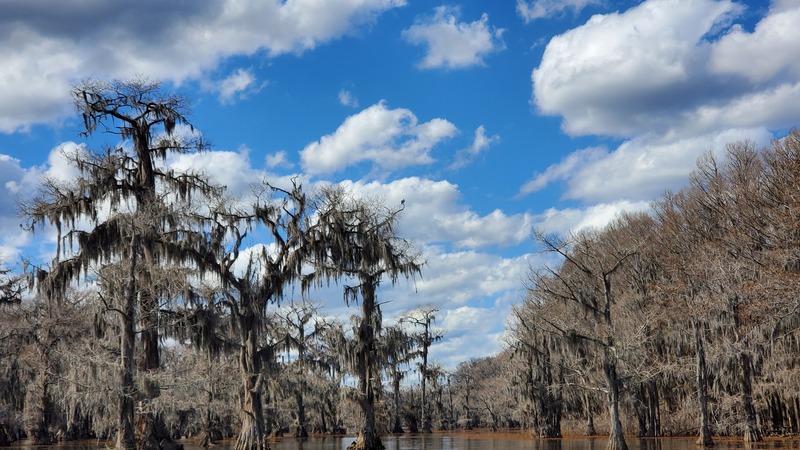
461 442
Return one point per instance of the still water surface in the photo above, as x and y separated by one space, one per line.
465 442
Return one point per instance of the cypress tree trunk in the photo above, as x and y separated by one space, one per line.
654 414
368 438
397 428
37 406
300 427
252 436
616 438
125 432
751 433
702 387
424 414
587 405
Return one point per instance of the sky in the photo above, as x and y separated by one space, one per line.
490 119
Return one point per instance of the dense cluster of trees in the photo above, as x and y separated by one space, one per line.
161 285
681 320
170 309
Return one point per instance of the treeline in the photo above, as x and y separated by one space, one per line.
683 320
160 313
59 378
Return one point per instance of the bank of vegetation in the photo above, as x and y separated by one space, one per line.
171 310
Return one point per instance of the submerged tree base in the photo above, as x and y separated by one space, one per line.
152 434
251 438
209 437
616 443
365 441
705 441
751 434
300 432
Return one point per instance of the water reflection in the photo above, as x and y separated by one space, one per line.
466 442
650 444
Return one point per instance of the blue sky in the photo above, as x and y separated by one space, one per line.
488 118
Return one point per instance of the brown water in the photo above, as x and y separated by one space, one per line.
465 442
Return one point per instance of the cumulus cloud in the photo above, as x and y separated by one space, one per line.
475 328
638 71
774 43
530 10
20 184
16 183
675 80
435 214
639 169
389 138
46 48
563 170
480 143
597 216
227 168
453 44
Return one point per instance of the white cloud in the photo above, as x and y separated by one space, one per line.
774 44
475 328
46 48
16 183
639 169
480 143
238 86
638 71
346 98
389 138
434 213
563 170
278 159
531 10
453 44
593 217
226 168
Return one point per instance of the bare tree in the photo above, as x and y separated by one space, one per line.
585 281
398 348
424 317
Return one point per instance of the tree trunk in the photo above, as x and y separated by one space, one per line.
616 438
368 438
397 428
587 405
424 415
125 433
548 416
300 427
702 387
152 432
37 406
323 420
252 435
653 412
751 433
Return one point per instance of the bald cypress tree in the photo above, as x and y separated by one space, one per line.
356 239
126 208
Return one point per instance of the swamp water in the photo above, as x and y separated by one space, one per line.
443 441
